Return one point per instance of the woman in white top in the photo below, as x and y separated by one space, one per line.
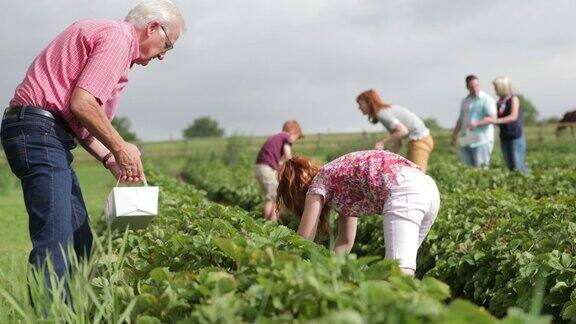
401 123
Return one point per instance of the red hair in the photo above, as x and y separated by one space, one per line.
294 179
293 127
375 103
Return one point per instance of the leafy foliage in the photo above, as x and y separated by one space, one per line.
229 179
498 233
529 111
203 262
232 184
432 124
123 125
203 127
498 236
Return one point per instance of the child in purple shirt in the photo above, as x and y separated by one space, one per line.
273 153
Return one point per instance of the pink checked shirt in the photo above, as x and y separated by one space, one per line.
358 183
95 55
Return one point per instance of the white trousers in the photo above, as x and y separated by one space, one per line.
409 213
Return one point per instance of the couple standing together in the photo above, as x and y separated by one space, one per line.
475 133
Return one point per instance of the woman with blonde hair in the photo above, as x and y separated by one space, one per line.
512 140
358 184
402 124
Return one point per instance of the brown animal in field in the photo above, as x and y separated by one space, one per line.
569 117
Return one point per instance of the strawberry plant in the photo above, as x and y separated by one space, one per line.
499 233
205 262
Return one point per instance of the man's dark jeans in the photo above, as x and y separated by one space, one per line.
38 151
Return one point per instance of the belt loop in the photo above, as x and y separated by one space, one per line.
22 111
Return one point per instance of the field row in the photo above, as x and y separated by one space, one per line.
498 235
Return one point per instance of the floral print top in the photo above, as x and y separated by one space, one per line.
358 183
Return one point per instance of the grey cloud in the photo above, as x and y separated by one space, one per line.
253 64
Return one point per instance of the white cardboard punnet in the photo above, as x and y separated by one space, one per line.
131 206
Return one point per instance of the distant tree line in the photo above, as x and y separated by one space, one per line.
208 127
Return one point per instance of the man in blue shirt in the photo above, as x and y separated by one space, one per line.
474 130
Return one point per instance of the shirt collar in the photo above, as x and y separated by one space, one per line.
479 96
135 50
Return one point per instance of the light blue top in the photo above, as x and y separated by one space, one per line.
474 109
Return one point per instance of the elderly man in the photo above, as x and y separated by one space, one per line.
477 113
71 90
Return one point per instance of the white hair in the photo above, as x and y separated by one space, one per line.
503 86
162 10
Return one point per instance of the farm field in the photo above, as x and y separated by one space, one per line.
187 96
503 247
498 235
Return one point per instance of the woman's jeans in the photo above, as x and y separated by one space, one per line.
514 153
38 152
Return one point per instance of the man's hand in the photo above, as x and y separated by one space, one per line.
472 125
128 160
114 168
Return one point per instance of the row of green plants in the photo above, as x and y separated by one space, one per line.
498 232
229 184
204 262
228 178
508 231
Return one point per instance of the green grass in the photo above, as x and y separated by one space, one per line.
15 244
13 233
95 181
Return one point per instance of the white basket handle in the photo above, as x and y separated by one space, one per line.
143 180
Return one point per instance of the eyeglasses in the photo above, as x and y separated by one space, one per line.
168 45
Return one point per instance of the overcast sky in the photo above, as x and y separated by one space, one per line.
251 64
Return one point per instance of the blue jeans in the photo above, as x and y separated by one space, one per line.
38 152
476 156
514 152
